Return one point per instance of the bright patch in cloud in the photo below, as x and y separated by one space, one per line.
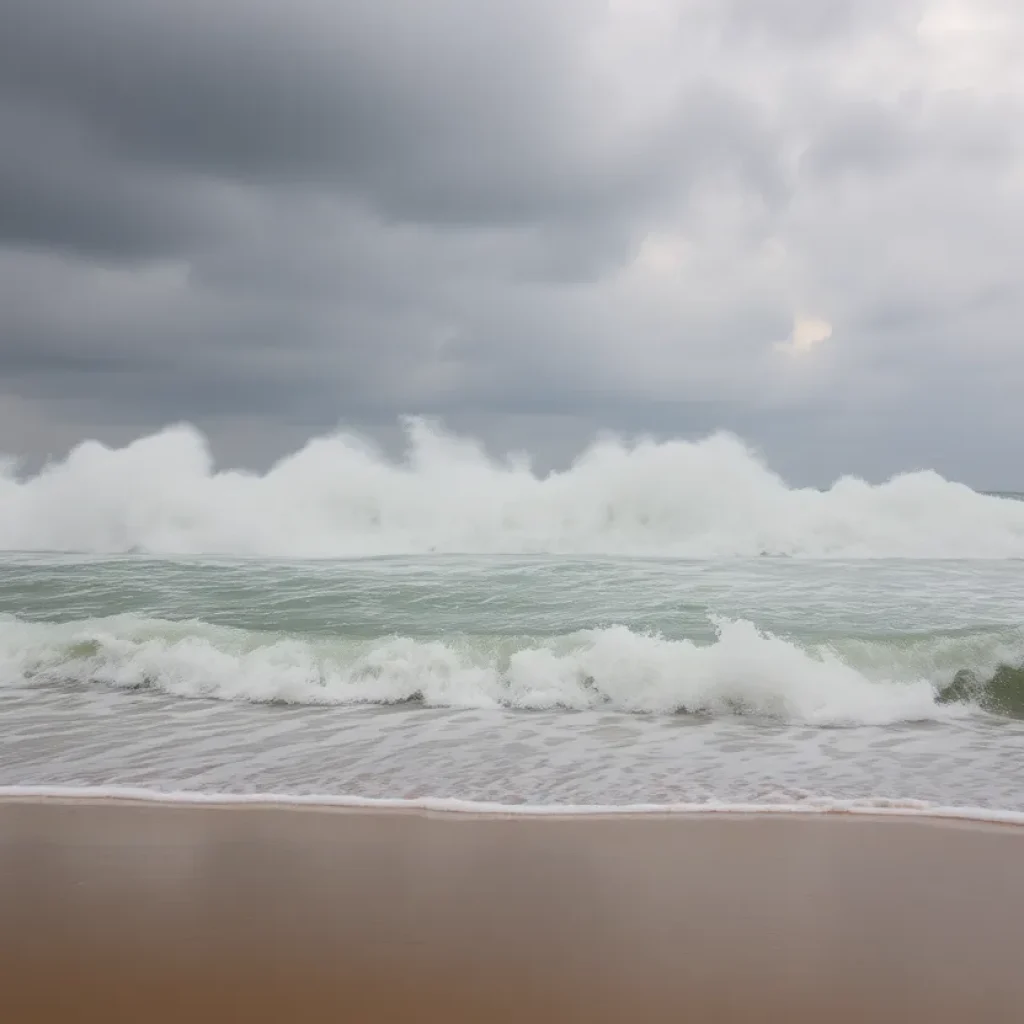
808 331
661 254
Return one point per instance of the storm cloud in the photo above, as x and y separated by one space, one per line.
533 220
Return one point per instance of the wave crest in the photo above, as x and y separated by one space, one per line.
745 671
340 497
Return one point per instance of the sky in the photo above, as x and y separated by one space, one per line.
798 220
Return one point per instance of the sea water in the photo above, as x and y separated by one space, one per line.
659 624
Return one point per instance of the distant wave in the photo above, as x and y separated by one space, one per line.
340 497
745 671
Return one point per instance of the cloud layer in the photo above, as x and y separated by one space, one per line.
534 220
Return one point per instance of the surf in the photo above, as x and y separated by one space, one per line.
341 497
744 671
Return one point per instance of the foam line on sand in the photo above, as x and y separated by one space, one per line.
874 807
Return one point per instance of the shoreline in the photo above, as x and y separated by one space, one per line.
880 807
160 910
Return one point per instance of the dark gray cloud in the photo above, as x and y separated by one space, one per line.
452 110
533 220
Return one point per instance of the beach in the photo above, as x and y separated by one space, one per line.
132 910
511 513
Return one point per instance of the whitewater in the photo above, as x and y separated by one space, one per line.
447 628
340 497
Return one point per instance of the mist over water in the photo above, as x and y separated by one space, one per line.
341 497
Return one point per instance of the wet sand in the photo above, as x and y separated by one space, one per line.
122 911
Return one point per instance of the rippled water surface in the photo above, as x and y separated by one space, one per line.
540 680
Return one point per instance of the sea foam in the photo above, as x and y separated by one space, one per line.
875 807
340 497
744 671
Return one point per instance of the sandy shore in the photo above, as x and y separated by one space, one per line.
121 911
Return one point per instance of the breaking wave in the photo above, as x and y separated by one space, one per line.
745 671
340 497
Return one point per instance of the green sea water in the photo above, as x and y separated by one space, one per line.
529 678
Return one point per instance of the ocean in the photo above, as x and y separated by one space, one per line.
667 624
